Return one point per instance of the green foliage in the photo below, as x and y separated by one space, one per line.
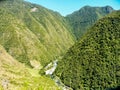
93 63
116 88
32 32
84 18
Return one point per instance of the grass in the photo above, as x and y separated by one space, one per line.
20 77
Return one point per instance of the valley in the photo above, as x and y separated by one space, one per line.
42 50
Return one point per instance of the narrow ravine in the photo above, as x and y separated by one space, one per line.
49 70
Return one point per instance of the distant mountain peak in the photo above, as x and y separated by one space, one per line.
84 18
87 6
107 6
108 9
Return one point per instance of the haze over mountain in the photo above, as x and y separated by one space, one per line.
84 18
93 63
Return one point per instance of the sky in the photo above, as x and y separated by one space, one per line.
65 7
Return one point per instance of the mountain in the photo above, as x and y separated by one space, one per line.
84 18
93 63
30 32
16 76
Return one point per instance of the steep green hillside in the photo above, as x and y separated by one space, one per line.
15 76
94 62
31 32
84 18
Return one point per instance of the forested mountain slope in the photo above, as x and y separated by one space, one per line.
84 18
93 63
31 32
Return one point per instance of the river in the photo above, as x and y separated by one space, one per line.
49 70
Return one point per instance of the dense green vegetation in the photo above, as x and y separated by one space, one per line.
84 18
93 63
116 88
31 32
